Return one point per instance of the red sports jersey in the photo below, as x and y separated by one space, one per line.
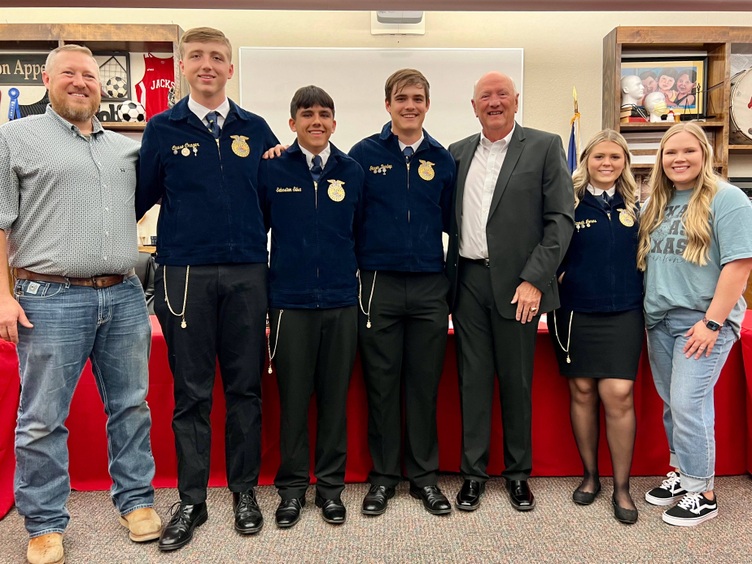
154 89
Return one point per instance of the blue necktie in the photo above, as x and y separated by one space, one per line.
316 168
408 152
213 121
606 201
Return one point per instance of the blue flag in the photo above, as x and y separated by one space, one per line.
574 136
572 149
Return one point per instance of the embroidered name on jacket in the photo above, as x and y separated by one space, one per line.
585 223
185 149
282 189
380 169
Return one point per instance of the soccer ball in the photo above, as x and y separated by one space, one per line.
116 87
131 111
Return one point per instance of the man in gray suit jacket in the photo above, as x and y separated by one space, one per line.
512 222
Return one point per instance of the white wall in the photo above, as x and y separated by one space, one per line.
562 49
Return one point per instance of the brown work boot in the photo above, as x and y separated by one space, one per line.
46 549
143 524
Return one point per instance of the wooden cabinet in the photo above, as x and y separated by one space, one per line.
100 38
715 43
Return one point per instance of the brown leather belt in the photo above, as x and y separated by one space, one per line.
102 281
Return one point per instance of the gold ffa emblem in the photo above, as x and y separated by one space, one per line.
239 145
185 151
425 170
336 190
625 218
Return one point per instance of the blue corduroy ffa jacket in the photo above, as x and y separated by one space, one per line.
312 225
210 210
406 206
600 267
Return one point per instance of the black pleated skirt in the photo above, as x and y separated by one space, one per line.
601 345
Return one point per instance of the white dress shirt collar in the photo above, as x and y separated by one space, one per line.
597 191
324 154
223 110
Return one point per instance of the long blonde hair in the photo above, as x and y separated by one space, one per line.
625 185
696 219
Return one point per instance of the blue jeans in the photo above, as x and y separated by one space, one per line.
72 323
686 387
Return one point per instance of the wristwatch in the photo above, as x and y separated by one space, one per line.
710 324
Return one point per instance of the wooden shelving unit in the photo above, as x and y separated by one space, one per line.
716 42
131 38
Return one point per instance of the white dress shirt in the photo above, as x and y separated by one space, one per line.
479 189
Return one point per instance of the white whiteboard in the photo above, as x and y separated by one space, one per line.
269 76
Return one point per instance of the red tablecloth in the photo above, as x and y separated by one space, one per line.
9 388
554 452
746 346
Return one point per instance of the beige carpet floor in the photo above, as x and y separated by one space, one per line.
555 531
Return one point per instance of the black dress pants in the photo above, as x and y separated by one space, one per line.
314 351
225 321
490 345
403 353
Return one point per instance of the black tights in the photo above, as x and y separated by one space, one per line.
618 403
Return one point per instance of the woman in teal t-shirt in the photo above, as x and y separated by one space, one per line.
696 251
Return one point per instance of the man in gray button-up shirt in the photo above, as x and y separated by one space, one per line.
68 229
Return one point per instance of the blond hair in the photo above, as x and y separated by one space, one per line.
203 35
696 219
68 48
625 185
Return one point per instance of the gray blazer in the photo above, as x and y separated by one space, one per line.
531 219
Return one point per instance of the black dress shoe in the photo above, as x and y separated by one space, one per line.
333 510
434 501
468 498
179 531
288 512
376 499
520 495
585 498
248 518
624 515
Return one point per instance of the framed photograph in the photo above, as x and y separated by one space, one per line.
682 81
115 73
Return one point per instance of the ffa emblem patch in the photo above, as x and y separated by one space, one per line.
336 190
425 170
239 145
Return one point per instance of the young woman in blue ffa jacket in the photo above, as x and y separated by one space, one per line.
310 196
403 301
598 331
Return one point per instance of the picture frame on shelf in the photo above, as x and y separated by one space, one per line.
682 80
115 74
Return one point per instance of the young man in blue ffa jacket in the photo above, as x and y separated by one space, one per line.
403 295
201 159
310 195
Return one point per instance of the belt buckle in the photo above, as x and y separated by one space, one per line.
99 281
486 262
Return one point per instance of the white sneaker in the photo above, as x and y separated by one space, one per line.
668 493
693 509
